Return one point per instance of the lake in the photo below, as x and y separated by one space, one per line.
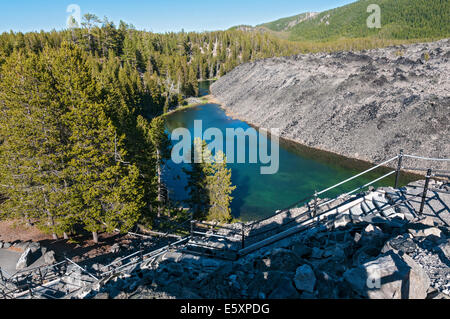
302 170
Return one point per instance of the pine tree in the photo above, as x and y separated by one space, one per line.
161 142
200 169
33 149
220 187
61 161
209 184
95 165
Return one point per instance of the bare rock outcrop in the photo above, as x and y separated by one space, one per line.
365 105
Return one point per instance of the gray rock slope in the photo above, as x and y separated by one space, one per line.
366 105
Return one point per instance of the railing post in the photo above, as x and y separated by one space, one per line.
29 290
315 203
425 191
192 228
399 168
243 235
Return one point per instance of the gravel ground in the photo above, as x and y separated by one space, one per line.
435 268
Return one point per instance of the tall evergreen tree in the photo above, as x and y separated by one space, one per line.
209 184
197 175
161 142
220 187
60 156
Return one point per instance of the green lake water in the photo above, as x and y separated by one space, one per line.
302 170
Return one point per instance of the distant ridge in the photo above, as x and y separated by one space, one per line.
400 19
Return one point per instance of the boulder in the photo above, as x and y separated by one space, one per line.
280 259
24 260
6 245
401 243
49 257
317 253
335 252
304 279
365 254
372 235
34 247
21 245
301 250
284 290
444 249
389 277
1 244
419 282
428 221
426 232
327 285
174 269
266 283
342 221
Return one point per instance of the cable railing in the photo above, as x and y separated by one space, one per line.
314 209
313 200
317 194
144 258
140 254
397 171
343 196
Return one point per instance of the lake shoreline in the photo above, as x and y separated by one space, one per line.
303 169
315 150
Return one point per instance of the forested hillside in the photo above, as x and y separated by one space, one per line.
286 24
81 137
157 69
400 20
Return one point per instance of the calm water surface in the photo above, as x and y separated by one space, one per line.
302 170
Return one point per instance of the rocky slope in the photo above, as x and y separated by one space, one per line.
390 258
378 256
366 105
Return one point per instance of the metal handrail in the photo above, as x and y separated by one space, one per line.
29 271
141 250
323 204
153 254
315 196
358 175
213 229
328 189
364 186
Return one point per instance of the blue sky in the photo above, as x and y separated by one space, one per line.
156 15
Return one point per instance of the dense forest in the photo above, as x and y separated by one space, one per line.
158 70
82 139
400 20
